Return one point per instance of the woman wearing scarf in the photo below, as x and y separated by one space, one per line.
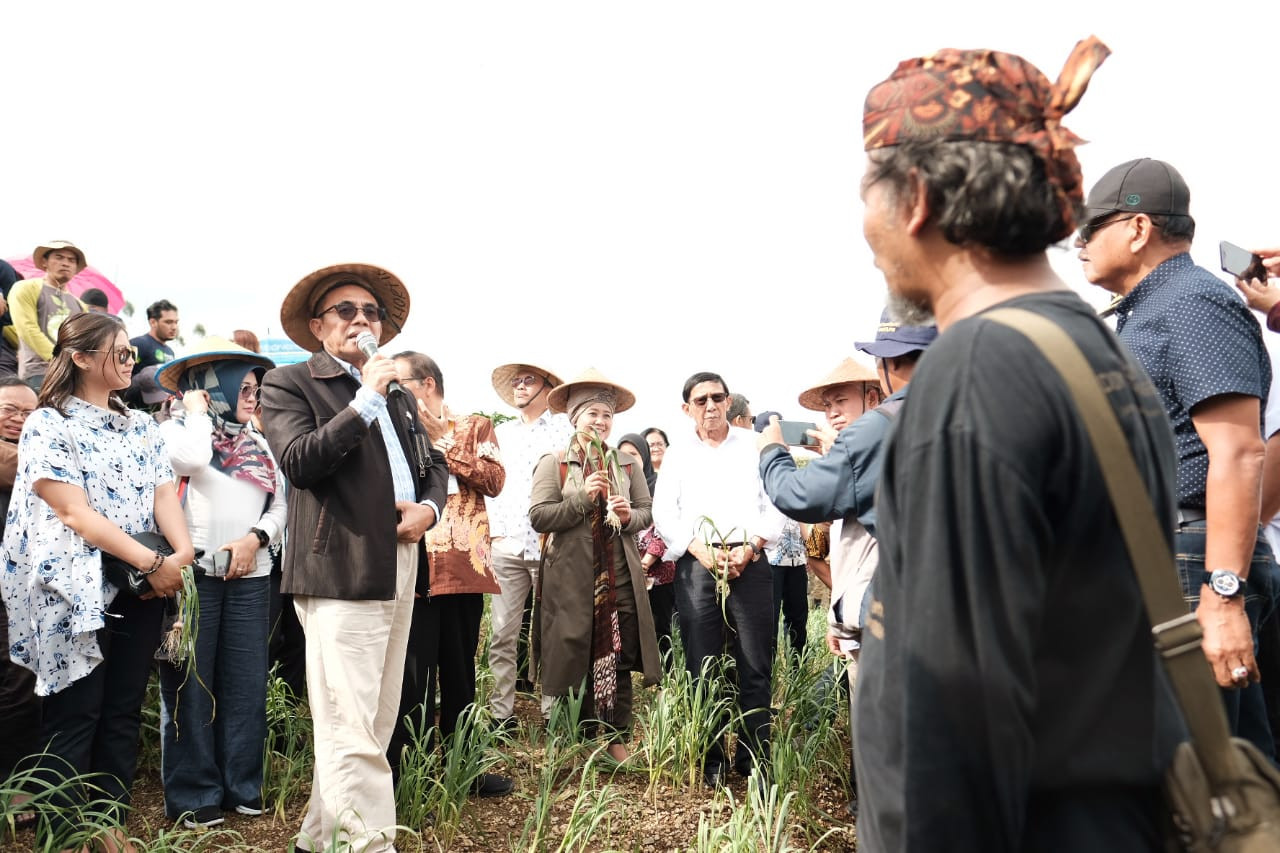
592 626
660 574
215 720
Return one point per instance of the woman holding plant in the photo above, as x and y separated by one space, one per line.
593 625
214 717
91 474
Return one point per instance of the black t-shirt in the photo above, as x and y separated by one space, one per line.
1008 671
150 351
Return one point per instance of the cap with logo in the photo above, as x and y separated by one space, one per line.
1140 186
894 339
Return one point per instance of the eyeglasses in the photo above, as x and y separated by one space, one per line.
527 381
657 445
7 411
717 398
346 311
250 392
124 355
1090 228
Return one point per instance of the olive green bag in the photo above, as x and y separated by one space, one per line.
1223 794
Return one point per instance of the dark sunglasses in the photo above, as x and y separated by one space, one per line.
1090 228
346 311
717 398
124 355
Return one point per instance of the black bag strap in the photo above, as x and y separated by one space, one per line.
1177 633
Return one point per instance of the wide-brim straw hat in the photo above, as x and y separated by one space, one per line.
503 374
212 348
847 371
558 399
38 256
300 304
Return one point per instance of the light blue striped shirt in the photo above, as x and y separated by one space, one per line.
371 405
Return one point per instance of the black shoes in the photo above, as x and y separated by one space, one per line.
492 785
203 818
713 776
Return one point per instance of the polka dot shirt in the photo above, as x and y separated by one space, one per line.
1197 339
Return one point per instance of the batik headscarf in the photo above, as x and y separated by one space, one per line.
989 96
239 451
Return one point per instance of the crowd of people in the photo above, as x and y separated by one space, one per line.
1006 692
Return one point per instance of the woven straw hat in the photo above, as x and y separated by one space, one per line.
300 304
847 371
212 348
558 399
503 375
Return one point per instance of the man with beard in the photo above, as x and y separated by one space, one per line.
1008 696
516 551
40 306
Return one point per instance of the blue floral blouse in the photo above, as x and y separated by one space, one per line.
51 578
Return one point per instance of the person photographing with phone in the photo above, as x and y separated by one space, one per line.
1254 277
1203 351
235 506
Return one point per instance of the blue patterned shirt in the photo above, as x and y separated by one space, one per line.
1197 339
50 577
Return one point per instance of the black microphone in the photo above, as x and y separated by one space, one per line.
368 345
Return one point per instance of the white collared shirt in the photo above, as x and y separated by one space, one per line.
701 486
522 445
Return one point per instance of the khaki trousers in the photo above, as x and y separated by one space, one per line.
355 666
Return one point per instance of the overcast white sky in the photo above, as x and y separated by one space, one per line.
648 188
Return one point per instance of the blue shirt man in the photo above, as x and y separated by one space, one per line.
1203 351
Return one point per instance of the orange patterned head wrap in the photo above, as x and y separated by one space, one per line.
988 96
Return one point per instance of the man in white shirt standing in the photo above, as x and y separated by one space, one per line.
523 440
712 510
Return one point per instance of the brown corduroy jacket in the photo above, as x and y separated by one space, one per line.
342 514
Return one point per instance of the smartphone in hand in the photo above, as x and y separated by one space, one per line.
1241 263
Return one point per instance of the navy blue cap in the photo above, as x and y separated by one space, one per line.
893 339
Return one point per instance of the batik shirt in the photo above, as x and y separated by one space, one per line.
50 577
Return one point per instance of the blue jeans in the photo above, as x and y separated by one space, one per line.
748 636
213 757
1246 708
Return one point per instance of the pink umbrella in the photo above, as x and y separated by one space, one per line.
85 279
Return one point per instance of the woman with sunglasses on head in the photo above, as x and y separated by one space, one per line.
91 474
214 723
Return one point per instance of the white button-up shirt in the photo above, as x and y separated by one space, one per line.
713 494
522 445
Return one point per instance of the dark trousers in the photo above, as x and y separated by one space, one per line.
19 707
286 641
791 602
92 725
442 644
662 601
747 636
214 726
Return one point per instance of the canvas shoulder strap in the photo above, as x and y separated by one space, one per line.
1176 631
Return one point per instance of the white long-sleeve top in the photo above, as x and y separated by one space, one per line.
221 509
719 483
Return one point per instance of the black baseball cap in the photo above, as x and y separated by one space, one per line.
1140 186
